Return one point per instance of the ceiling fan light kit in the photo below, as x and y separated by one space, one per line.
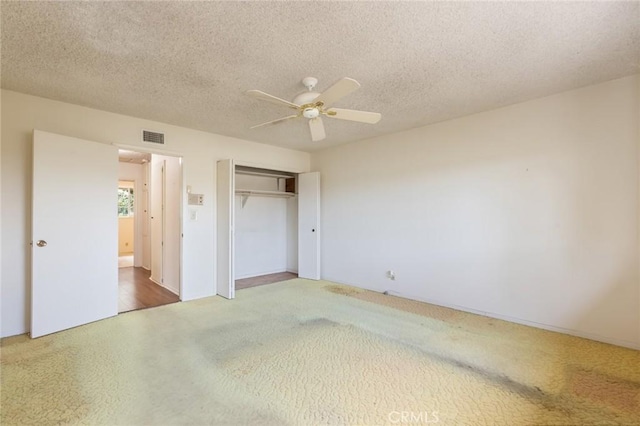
312 105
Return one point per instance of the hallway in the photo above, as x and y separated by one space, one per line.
137 291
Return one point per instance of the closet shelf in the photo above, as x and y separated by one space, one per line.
272 174
265 193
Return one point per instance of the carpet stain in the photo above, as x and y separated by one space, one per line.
39 348
403 304
301 353
603 389
343 289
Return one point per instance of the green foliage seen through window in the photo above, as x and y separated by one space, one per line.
125 202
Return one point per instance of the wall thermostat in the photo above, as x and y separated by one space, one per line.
196 199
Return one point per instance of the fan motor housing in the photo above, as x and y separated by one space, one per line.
305 98
310 112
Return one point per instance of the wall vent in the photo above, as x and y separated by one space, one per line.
153 137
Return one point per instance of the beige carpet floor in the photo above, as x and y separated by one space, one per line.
311 353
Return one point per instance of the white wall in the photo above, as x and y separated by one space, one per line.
21 114
126 235
528 213
260 230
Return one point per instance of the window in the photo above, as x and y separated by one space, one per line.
125 202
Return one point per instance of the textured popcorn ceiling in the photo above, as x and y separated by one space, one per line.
189 63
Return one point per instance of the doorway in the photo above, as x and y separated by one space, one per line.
149 226
126 223
75 236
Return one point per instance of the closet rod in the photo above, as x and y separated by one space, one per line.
265 193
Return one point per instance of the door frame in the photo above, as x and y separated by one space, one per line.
225 232
181 200
246 164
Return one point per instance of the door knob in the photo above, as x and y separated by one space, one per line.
41 243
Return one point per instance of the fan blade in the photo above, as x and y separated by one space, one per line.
270 98
274 121
353 115
317 129
337 91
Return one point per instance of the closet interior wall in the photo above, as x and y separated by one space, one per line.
266 224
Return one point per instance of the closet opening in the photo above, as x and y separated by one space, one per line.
268 222
266 226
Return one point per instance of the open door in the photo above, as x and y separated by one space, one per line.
225 229
172 224
74 233
157 204
309 225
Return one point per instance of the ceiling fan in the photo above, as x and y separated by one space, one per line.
313 105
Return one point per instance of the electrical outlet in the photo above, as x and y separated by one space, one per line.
391 275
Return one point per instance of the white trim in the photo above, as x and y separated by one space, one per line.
164 286
568 331
148 150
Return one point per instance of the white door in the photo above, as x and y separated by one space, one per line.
172 224
225 229
157 190
144 198
74 233
309 225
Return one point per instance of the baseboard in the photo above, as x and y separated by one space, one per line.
548 327
164 286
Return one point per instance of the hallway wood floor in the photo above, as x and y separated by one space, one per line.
137 291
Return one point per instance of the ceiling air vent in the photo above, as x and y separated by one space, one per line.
153 137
